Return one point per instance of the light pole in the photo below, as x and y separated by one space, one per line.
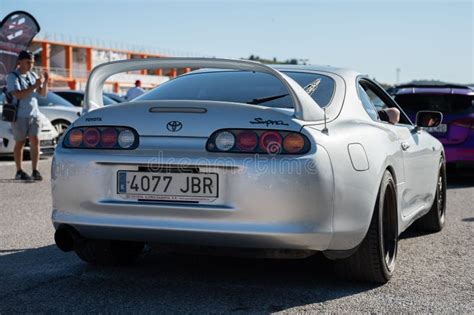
398 75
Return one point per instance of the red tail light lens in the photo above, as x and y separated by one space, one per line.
259 141
247 141
106 137
465 123
293 143
91 137
75 137
109 137
270 142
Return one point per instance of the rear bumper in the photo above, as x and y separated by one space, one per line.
262 203
46 147
284 235
289 207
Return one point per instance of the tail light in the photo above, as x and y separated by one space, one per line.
91 137
126 139
294 142
106 137
109 137
75 137
258 141
465 123
271 142
225 141
247 140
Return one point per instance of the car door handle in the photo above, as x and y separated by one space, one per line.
405 146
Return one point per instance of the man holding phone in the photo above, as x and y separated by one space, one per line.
25 85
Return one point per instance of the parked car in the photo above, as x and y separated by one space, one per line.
115 97
57 110
76 98
290 160
47 137
456 102
60 112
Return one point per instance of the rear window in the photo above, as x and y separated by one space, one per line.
241 87
445 103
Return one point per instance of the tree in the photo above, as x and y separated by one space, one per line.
293 61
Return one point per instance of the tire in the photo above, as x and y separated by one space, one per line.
374 260
60 126
434 220
105 252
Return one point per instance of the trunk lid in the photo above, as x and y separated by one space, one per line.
181 118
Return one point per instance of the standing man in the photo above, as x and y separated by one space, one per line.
135 91
24 85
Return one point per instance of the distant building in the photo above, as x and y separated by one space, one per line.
69 66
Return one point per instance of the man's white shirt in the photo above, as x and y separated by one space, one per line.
134 92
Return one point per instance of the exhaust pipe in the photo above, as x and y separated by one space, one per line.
66 238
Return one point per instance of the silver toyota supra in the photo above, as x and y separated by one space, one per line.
281 160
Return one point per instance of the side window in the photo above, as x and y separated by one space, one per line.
382 101
69 97
367 103
377 101
66 96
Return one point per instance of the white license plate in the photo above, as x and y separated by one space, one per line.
441 128
167 186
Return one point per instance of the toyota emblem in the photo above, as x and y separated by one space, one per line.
174 126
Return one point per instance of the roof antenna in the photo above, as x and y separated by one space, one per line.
325 129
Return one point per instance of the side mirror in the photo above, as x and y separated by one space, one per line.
426 118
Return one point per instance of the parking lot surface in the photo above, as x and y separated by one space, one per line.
434 271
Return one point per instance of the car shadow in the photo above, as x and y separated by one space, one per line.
461 178
15 181
412 232
47 280
9 158
6 158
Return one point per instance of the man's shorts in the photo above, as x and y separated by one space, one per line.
26 127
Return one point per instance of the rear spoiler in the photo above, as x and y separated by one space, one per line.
305 107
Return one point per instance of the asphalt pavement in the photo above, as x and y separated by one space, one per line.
434 271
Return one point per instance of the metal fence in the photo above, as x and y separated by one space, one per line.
114 45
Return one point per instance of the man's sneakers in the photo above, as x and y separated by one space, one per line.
21 175
36 175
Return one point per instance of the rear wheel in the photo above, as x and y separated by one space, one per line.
105 252
374 260
434 220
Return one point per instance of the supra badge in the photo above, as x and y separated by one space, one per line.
174 126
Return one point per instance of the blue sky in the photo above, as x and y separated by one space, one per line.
425 39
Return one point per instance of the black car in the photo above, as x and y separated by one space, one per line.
77 97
